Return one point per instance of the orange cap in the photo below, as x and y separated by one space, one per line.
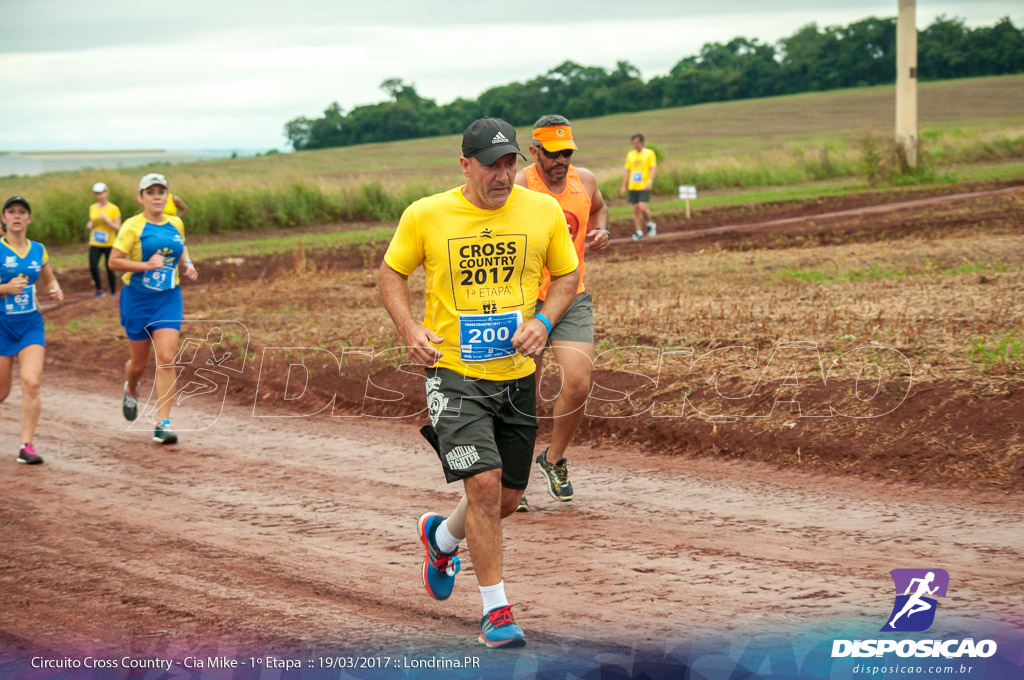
555 138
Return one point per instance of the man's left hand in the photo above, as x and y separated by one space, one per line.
598 240
531 338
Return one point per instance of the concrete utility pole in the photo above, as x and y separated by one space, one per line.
906 81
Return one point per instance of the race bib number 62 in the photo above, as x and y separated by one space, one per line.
21 303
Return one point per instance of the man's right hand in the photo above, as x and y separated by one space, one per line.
418 339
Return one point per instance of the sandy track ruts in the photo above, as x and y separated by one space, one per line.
837 214
300 533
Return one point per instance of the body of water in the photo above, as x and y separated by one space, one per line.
36 163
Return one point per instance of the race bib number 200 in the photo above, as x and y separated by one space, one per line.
488 336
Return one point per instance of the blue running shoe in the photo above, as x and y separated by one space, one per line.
439 569
497 629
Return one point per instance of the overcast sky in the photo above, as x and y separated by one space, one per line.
79 74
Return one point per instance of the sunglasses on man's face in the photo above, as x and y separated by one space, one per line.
564 153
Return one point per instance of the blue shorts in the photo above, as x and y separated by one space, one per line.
18 331
143 311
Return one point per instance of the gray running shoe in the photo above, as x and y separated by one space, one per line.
130 404
557 475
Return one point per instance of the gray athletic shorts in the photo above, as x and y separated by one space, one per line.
483 425
638 196
577 324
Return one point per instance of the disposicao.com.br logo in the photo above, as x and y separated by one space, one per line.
914 611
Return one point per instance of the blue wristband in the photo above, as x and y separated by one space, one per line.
543 320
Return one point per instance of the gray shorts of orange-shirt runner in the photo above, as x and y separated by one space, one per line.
577 324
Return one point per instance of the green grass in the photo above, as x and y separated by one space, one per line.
772 142
1014 170
766 195
811 190
1005 349
285 244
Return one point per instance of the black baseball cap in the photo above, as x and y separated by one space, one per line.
488 139
17 199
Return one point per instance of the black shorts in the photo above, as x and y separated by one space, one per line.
483 425
639 196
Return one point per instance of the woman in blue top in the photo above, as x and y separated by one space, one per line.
23 265
149 247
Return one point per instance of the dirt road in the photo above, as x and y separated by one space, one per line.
292 533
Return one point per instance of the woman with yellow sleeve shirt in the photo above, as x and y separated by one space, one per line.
149 247
104 221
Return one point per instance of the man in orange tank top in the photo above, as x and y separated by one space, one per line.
572 338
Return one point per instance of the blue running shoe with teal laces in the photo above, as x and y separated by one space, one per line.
439 569
498 629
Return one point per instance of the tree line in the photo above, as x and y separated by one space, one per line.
812 59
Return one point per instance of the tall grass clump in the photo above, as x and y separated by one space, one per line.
950 146
884 162
226 205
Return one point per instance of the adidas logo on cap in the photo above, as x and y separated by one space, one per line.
488 139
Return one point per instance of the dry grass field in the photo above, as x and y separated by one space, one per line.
919 307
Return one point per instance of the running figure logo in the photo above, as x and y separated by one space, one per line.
914 610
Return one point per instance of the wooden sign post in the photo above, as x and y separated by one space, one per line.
906 81
686 193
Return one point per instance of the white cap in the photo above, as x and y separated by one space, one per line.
152 179
99 187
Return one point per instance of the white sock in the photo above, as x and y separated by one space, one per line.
446 543
494 596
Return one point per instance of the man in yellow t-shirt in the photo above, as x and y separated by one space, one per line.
483 247
104 221
641 168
